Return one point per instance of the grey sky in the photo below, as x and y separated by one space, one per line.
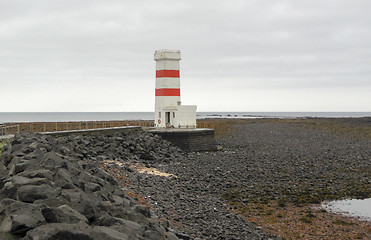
238 55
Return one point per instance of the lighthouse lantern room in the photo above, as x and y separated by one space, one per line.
169 112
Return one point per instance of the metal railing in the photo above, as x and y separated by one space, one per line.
9 129
33 127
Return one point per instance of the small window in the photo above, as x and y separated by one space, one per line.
159 114
173 114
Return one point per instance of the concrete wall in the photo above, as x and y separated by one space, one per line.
185 116
190 140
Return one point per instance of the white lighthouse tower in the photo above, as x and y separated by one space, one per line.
168 109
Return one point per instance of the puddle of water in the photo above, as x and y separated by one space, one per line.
351 207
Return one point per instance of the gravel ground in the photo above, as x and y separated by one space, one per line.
261 161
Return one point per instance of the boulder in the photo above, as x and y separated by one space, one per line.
105 220
82 202
142 210
53 161
52 202
131 228
20 180
33 146
21 217
63 214
152 234
64 180
58 231
3 170
92 187
106 233
38 173
183 236
18 167
171 236
4 204
7 236
30 193
9 190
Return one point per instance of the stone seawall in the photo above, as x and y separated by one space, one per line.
189 139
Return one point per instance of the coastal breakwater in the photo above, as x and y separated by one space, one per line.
54 187
200 139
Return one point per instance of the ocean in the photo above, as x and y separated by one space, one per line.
110 116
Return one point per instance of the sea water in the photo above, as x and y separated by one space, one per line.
112 116
351 207
202 115
72 116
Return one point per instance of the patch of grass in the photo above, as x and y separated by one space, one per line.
308 217
260 208
310 214
301 195
232 195
342 222
281 202
269 212
221 126
357 128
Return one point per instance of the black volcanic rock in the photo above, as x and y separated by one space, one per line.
53 188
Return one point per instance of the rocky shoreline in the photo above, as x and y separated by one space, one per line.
262 162
137 186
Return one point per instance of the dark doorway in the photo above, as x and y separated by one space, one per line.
167 118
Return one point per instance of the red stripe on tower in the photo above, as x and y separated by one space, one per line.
167 92
167 73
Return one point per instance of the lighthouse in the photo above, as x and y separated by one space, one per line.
169 112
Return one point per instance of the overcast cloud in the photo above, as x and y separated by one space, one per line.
240 55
